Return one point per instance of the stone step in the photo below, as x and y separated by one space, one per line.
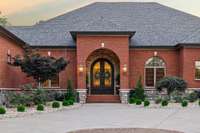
102 99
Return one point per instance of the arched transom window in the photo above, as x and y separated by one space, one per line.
154 71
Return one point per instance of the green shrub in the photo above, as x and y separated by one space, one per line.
20 98
192 97
40 107
66 103
2 110
132 100
171 84
184 103
158 100
177 96
164 103
39 96
138 92
138 102
199 102
70 95
71 102
146 103
55 104
21 108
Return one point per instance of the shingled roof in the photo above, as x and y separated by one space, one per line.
155 25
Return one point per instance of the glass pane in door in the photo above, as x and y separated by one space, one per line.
107 75
96 75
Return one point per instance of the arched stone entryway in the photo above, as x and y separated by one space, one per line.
103 72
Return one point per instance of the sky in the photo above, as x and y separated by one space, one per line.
28 12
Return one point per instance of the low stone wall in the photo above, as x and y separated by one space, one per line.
5 95
2 98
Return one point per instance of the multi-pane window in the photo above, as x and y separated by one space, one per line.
154 71
54 82
197 70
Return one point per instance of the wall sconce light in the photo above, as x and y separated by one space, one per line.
49 53
155 53
125 68
80 68
9 57
102 45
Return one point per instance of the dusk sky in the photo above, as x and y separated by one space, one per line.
28 12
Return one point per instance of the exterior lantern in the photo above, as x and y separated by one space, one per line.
80 68
155 53
49 53
9 58
102 45
125 68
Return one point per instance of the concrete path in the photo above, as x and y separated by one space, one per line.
106 116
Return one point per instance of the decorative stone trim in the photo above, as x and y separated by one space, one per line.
82 95
124 94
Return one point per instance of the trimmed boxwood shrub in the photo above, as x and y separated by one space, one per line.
55 104
40 107
199 102
164 103
132 100
138 102
184 103
146 103
2 110
71 101
21 108
66 103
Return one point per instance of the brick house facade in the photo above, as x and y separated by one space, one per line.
105 57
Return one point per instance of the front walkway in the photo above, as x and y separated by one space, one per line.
106 116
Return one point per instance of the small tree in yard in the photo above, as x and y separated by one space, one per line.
70 95
40 68
139 90
171 84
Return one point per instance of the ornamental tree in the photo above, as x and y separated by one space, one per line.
40 68
171 84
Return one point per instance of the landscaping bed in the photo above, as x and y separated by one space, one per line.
13 113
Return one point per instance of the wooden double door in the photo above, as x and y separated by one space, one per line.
102 77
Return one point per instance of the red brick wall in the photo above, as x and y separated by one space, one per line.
178 62
70 72
138 57
13 77
88 44
10 77
187 57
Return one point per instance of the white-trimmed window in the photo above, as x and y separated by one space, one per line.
53 83
197 70
154 71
